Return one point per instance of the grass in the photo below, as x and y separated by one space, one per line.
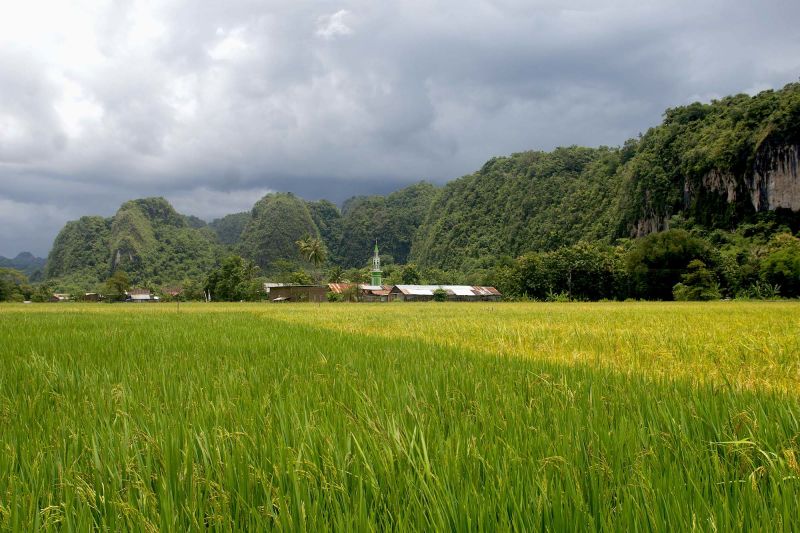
654 417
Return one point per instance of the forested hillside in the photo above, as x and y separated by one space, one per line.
392 220
25 262
724 173
276 222
229 228
718 164
146 238
527 201
710 166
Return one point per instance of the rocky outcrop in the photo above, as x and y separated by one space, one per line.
652 221
724 183
775 183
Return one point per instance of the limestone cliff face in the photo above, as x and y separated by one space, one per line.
651 222
775 182
772 182
723 183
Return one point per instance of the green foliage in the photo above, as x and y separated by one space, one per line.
81 251
14 286
155 244
782 266
531 201
301 277
228 229
583 271
328 219
191 290
439 295
336 274
356 275
312 250
675 163
410 275
759 291
699 284
117 285
42 293
146 238
392 220
27 263
277 222
234 281
656 263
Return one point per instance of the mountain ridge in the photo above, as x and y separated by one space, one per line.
717 165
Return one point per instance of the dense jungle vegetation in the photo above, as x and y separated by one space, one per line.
574 223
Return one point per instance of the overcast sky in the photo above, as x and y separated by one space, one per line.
212 103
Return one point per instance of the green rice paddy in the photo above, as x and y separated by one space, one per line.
435 416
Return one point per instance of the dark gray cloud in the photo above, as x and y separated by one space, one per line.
212 104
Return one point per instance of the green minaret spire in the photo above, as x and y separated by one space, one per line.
376 266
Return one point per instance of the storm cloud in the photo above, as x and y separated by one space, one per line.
211 104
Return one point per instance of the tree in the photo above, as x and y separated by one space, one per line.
11 283
336 274
117 285
43 293
313 250
191 290
301 277
656 263
410 274
699 284
234 281
782 266
530 275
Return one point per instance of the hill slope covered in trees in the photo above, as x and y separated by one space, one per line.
25 262
729 164
714 165
146 238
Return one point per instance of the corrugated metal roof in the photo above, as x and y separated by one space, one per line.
487 291
339 288
455 290
139 292
463 291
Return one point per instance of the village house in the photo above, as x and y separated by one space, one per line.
298 293
269 285
361 292
454 293
140 296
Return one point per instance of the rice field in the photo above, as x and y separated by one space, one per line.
409 417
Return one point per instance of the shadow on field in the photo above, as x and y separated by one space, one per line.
139 421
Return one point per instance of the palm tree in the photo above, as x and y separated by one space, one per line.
336 274
313 250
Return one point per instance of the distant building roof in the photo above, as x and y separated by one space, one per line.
365 287
139 292
339 288
456 290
